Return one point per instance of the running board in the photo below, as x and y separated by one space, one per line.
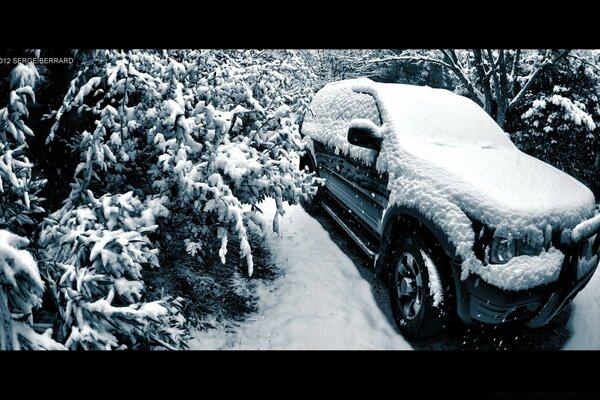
349 231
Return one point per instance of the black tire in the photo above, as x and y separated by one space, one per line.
411 299
314 203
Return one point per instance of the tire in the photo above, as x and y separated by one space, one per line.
412 301
312 205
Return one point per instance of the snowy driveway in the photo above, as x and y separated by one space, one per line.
320 302
325 300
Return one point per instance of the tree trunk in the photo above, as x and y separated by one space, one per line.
485 84
502 95
501 116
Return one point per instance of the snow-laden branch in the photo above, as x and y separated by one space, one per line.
494 76
534 75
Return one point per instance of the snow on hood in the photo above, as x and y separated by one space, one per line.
497 184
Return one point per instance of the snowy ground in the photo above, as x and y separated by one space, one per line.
585 320
325 300
320 302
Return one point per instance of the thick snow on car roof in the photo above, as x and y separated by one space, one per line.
433 115
440 116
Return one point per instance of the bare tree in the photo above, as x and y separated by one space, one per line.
337 64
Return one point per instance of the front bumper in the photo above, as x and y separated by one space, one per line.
482 302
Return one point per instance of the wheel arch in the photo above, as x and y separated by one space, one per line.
399 219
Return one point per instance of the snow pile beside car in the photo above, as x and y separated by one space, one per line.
449 159
585 318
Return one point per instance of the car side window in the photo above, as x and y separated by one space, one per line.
332 111
364 106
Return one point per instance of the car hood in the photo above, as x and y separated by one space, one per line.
496 184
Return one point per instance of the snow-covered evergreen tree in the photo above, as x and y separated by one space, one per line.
21 289
202 133
18 188
95 253
21 286
212 130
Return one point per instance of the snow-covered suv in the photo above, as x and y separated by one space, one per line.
458 218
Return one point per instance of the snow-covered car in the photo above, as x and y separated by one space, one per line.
456 217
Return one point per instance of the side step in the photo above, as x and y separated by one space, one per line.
362 244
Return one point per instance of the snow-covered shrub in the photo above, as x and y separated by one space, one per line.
18 189
95 253
21 289
212 130
200 133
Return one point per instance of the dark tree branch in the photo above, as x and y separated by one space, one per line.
415 59
452 60
502 96
584 61
490 58
503 74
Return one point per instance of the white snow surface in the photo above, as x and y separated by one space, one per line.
523 272
435 283
585 318
586 228
320 302
447 158
334 108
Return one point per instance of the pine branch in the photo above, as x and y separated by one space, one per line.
533 77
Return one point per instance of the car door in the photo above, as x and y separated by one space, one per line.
355 184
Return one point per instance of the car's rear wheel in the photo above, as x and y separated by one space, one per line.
312 203
418 299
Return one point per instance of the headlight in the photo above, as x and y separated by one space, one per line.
504 249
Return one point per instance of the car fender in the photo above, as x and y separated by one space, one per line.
396 213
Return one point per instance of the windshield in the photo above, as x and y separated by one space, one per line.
439 116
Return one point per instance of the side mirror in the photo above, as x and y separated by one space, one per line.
364 133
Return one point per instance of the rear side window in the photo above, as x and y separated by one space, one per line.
333 108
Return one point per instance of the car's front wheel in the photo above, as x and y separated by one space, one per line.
416 290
